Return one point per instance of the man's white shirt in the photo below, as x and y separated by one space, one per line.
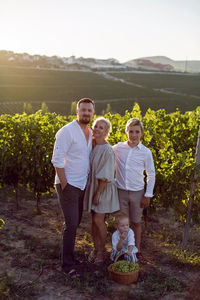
130 166
72 152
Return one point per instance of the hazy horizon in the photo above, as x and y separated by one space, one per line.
97 57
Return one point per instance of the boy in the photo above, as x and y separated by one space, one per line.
132 159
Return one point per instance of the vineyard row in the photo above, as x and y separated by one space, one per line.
26 145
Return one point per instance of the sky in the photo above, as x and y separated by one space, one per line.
120 29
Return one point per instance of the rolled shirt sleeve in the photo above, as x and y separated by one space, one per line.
150 171
61 146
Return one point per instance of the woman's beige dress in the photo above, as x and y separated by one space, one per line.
102 166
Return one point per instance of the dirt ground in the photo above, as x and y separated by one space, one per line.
30 267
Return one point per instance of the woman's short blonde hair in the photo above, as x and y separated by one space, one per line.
107 123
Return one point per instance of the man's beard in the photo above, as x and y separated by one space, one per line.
84 120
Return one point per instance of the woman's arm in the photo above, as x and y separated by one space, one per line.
101 186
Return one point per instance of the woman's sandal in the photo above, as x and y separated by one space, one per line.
92 256
99 260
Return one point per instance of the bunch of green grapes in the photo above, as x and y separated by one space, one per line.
124 266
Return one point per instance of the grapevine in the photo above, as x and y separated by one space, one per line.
26 147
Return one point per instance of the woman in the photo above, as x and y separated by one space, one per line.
101 193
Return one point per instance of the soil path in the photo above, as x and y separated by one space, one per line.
30 268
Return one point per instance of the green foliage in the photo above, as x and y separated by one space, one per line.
44 108
1 223
26 146
185 257
73 107
10 290
27 108
107 110
136 112
172 139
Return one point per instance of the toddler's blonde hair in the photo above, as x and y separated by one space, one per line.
120 216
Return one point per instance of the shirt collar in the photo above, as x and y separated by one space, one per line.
139 146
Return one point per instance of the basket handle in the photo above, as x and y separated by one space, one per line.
118 256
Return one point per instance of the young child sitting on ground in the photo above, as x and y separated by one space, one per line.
123 239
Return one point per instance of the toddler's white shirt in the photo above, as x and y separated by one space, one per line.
128 241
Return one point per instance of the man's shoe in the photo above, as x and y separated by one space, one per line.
72 274
78 261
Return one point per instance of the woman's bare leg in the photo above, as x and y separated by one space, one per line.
101 234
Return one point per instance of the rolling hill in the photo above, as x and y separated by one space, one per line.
165 63
33 80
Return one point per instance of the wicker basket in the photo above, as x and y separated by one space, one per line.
123 277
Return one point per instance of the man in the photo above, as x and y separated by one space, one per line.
71 161
132 159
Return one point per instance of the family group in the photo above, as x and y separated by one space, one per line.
94 176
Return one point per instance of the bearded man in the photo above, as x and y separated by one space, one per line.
71 161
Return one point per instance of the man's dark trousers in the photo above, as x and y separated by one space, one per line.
71 201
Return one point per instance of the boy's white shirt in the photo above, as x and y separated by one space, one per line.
128 241
130 165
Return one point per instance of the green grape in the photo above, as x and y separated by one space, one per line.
124 266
